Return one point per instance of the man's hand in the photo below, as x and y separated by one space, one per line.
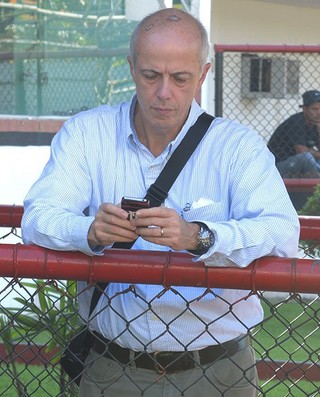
164 226
110 225
302 149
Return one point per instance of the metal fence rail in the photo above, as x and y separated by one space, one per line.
38 310
163 268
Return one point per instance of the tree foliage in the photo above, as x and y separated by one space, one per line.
312 208
60 24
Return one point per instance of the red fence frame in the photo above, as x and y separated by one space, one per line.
265 48
157 267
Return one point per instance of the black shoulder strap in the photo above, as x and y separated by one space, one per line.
158 191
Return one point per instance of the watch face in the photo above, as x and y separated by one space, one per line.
206 238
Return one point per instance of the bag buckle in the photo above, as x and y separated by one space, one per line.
157 366
156 195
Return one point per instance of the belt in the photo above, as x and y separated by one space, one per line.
167 362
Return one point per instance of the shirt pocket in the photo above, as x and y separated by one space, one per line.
210 211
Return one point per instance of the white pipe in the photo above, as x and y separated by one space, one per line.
207 91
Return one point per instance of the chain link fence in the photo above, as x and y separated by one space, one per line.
262 87
38 316
63 84
45 77
61 57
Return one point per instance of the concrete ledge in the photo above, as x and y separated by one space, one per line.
43 124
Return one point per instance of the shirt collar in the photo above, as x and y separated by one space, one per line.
195 111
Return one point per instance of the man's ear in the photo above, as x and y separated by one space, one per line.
131 65
204 73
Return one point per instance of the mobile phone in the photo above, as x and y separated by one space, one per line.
133 204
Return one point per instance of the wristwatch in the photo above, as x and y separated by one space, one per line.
205 239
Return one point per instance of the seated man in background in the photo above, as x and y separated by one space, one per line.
295 143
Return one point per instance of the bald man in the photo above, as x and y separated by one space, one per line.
228 207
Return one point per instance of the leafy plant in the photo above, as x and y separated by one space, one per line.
49 308
312 208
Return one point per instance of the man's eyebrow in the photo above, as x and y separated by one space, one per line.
182 72
173 74
149 70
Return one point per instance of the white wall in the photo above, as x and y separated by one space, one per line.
20 166
260 22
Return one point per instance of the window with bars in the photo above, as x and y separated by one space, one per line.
268 77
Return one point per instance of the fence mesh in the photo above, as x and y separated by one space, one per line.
262 88
54 63
288 76
60 57
39 316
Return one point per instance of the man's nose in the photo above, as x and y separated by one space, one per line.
164 89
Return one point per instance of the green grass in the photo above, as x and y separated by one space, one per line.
36 381
290 331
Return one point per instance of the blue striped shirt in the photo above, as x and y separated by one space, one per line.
230 183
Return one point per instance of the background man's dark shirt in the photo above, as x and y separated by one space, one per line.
293 131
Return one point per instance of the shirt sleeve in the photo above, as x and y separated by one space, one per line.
262 220
53 208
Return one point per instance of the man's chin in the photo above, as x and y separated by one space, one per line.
166 123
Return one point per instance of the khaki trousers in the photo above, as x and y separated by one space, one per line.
229 377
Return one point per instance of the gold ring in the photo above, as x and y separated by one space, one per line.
161 232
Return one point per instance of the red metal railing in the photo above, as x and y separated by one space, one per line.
164 268
301 184
266 48
11 215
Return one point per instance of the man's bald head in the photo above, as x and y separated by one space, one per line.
175 21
